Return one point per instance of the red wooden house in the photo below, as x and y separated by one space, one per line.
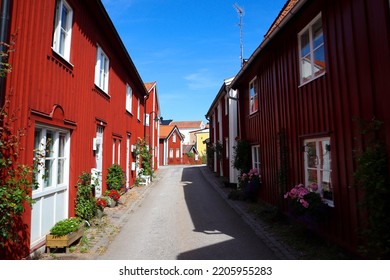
322 66
171 145
75 87
152 122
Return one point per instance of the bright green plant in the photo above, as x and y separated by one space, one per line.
142 150
85 202
115 177
66 226
5 67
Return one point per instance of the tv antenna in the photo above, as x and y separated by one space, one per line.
240 12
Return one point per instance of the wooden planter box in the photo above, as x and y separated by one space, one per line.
53 241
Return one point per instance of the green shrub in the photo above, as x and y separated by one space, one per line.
115 178
85 201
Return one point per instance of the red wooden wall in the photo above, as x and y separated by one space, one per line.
355 86
41 81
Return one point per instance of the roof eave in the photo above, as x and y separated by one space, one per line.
267 39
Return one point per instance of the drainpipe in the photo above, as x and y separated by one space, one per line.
4 26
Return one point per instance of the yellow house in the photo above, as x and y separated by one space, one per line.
198 138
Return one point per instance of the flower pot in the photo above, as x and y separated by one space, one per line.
54 241
99 213
111 202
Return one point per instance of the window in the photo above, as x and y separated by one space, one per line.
139 108
129 99
311 51
171 153
174 138
62 29
253 98
177 153
116 151
318 166
101 70
51 149
256 157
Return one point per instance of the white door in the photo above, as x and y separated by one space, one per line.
99 156
51 146
128 151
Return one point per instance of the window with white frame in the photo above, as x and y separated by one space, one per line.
177 153
256 157
116 150
129 98
311 51
318 169
170 153
253 97
101 70
174 138
62 29
51 152
139 109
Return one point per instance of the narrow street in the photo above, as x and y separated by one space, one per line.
183 217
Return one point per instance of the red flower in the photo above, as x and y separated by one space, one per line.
101 203
114 195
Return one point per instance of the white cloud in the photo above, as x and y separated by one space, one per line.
201 79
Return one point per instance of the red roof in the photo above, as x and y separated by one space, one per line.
283 13
188 124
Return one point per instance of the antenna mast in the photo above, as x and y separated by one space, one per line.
240 12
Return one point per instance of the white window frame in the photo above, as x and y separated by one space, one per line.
139 109
51 154
324 168
102 68
174 138
253 100
177 152
63 29
129 98
256 157
310 61
171 153
116 151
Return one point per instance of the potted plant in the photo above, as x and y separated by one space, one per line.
305 204
64 233
101 203
250 183
112 197
115 178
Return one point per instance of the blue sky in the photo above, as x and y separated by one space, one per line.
189 47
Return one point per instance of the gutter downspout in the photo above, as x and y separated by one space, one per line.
4 28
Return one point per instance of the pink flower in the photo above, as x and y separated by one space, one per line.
304 203
314 187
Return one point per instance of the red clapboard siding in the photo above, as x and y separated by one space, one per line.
353 87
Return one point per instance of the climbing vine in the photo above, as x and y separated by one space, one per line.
16 179
372 176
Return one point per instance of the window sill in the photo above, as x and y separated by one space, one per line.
311 80
102 92
61 61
